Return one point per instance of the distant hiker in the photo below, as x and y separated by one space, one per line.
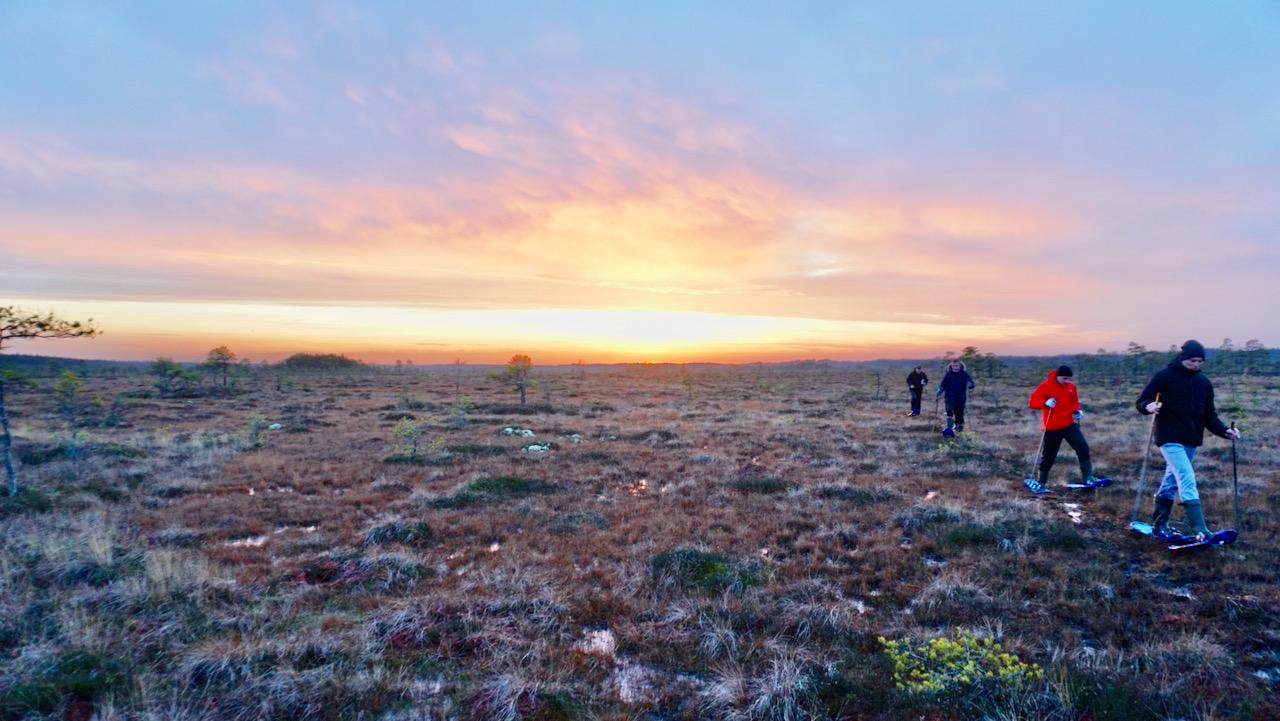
1184 411
1059 404
955 386
916 381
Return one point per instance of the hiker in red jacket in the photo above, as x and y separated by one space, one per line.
1060 409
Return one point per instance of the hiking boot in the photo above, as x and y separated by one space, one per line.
1195 518
1160 519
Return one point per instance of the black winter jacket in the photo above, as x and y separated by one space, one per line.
1186 409
956 385
917 381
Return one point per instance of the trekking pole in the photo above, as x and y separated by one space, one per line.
1146 453
1235 478
1044 431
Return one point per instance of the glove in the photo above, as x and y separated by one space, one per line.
1077 415
1051 403
1153 406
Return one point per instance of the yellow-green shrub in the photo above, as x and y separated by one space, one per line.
944 666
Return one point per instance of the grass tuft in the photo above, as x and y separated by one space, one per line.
408 533
691 568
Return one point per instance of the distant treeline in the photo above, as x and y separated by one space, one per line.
48 366
1133 363
314 362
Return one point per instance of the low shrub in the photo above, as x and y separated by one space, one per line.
177 538
477 449
73 676
28 500
90 572
1038 534
510 486
957 671
761 485
36 454
408 533
853 494
1097 699
691 568
923 515
10 637
577 521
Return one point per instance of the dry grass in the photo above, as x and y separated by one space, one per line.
730 549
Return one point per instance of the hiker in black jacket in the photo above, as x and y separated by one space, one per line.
1184 409
955 386
916 381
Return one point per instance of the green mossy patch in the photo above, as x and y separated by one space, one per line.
408 533
694 569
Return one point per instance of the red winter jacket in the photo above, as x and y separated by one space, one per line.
1059 417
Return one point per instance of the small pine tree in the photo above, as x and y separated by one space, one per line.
219 360
517 374
17 325
66 395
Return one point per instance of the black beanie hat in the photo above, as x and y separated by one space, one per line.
1064 372
1191 349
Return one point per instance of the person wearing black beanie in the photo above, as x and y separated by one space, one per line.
1182 398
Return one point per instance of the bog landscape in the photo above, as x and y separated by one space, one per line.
320 541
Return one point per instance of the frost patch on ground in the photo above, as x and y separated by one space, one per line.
250 542
636 683
1073 510
601 642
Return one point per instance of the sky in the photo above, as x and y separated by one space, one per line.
657 181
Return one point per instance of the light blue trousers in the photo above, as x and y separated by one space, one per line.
1179 478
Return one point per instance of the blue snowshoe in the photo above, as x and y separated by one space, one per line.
1090 485
1221 538
1037 487
1166 534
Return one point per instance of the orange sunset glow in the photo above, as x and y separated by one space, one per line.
434 185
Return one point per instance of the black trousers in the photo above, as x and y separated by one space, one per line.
916 392
1074 438
955 413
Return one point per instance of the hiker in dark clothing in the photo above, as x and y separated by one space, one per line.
955 386
1184 409
916 381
